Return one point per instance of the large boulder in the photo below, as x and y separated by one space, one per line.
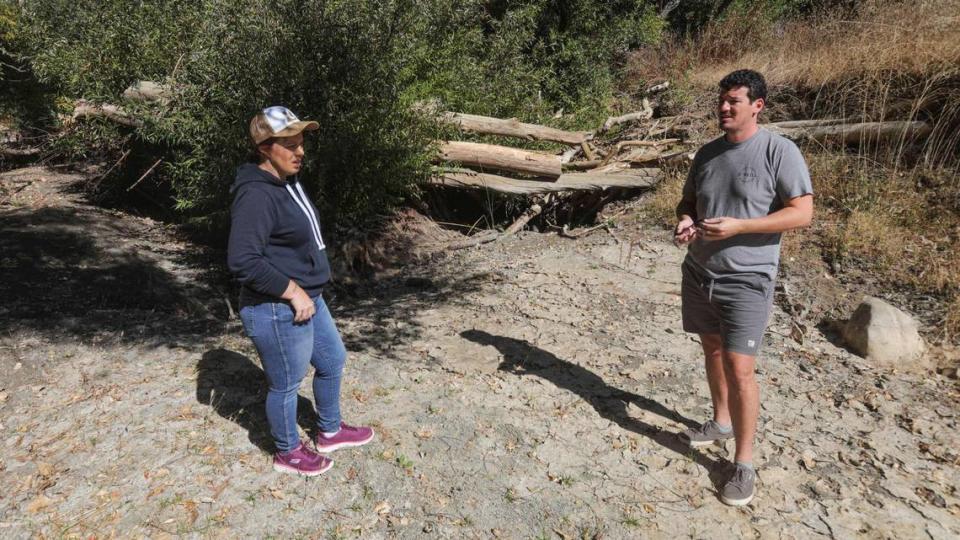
886 336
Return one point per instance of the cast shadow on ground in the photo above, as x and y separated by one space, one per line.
384 312
236 388
79 271
69 271
521 358
832 331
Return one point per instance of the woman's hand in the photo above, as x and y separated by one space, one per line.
303 306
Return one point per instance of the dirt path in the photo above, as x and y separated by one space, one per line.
526 389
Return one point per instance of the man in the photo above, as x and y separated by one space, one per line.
743 190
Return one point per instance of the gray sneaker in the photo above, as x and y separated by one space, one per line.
738 491
705 435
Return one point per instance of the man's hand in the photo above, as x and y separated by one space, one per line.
685 232
721 228
303 307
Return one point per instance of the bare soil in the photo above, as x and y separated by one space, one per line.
528 388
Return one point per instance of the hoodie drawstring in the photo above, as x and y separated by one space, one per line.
304 205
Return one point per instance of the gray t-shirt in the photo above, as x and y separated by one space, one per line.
749 179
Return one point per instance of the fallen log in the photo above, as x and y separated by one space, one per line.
490 236
476 240
670 158
645 114
852 133
12 144
18 152
582 165
629 179
522 221
10 137
570 153
147 91
501 158
587 151
632 144
806 123
514 128
84 109
657 88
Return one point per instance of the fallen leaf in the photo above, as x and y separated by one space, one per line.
45 469
186 413
39 504
191 508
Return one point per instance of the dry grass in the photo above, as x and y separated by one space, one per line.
951 320
906 37
890 213
662 203
902 225
893 60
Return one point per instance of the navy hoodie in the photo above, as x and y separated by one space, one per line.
274 236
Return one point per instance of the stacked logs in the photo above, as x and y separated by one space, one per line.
512 170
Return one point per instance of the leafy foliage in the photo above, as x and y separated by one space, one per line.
355 66
693 17
527 58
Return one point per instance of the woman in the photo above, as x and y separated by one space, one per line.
277 253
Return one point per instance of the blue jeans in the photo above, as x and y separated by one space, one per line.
286 350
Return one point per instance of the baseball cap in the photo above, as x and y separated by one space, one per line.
277 121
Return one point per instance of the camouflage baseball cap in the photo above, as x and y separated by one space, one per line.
277 121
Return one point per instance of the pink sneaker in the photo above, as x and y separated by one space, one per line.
301 461
347 436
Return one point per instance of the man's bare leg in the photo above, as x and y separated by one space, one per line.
716 378
719 429
744 401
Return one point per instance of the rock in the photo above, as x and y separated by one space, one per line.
885 335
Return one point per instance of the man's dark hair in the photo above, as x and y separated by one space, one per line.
756 86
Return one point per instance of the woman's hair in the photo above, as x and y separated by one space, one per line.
254 156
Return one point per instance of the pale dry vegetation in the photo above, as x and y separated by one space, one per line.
891 213
905 37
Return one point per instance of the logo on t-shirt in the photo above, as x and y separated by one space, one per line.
748 174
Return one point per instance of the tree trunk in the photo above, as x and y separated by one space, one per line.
84 109
513 128
629 179
18 152
645 114
490 236
501 158
147 91
823 132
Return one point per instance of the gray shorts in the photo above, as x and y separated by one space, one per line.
737 307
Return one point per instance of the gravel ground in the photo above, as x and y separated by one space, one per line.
529 388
